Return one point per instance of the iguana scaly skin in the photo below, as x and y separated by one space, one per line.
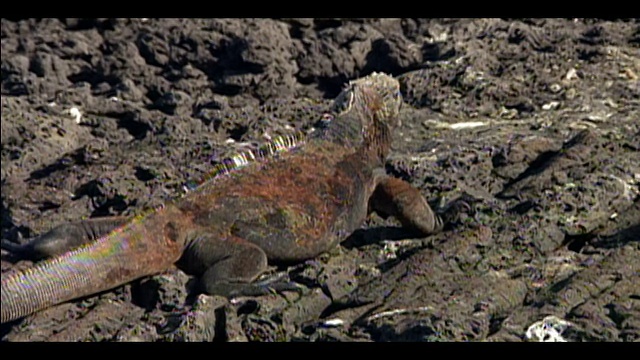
271 206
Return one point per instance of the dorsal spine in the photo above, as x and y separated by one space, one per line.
265 151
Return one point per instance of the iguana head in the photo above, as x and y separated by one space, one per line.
366 112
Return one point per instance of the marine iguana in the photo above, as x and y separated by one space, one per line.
290 201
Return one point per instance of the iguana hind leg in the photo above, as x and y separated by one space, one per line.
230 266
65 237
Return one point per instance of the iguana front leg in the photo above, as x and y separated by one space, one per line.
397 198
65 237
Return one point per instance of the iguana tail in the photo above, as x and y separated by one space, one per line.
135 250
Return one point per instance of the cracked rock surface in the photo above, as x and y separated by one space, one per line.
537 118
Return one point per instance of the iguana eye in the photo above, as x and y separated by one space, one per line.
325 121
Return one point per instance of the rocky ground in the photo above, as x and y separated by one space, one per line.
540 119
